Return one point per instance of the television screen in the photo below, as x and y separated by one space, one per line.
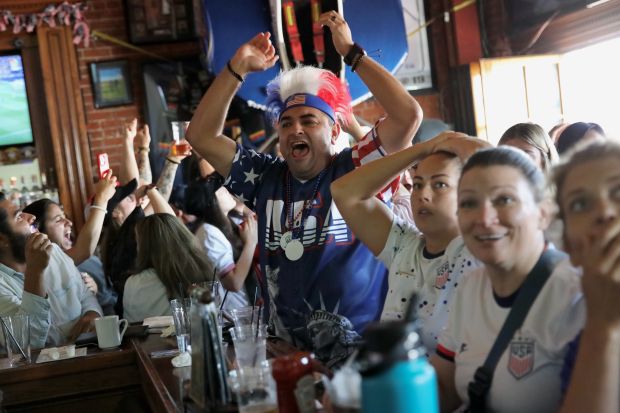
15 125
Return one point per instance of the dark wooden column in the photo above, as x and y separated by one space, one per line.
66 119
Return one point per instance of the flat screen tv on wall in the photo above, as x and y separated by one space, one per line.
15 126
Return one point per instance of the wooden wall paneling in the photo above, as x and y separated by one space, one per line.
494 28
466 29
476 94
128 400
439 42
451 41
574 30
66 118
38 107
10 41
466 91
72 386
101 382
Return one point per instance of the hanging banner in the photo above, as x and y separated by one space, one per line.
66 14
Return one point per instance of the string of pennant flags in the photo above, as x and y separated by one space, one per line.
66 14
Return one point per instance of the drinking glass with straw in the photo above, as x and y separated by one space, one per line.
16 333
256 335
181 316
249 335
247 316
250 344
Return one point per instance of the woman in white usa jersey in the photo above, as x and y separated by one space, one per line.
502 213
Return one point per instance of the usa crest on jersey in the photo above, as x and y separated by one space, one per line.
521 358
443 273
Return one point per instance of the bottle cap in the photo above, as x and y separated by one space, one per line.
390 342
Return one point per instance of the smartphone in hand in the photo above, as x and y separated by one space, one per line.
103 164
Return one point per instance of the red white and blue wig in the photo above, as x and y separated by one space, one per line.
308 86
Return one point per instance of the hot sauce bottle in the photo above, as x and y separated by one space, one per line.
293 375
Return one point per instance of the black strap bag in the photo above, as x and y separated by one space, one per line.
533 284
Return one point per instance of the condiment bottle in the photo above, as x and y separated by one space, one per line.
293 375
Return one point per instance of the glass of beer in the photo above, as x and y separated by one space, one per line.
179 144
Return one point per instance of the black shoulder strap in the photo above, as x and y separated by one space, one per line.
534 282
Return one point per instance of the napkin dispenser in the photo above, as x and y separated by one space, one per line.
209 384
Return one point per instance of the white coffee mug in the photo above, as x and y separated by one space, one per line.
108 334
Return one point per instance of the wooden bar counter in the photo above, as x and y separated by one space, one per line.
100 381
126 379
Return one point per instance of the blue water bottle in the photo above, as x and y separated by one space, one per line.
396 376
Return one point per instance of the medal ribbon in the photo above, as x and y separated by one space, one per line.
305 210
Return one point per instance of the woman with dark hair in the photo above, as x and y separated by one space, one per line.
169 261
429 259
51 220
578 133
229 247
132 202
503 211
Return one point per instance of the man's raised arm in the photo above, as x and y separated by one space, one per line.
404 114
205 129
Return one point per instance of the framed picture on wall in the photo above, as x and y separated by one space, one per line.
150 21
111 83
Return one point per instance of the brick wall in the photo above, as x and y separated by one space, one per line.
105 126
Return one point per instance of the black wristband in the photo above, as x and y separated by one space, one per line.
232 72
356 62
355 51
172 161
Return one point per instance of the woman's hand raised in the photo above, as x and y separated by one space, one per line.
599 256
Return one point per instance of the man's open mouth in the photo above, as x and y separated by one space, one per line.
299 149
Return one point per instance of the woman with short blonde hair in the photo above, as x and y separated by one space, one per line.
534 141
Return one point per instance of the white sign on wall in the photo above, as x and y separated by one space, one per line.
415 73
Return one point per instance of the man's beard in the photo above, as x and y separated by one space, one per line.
18 246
